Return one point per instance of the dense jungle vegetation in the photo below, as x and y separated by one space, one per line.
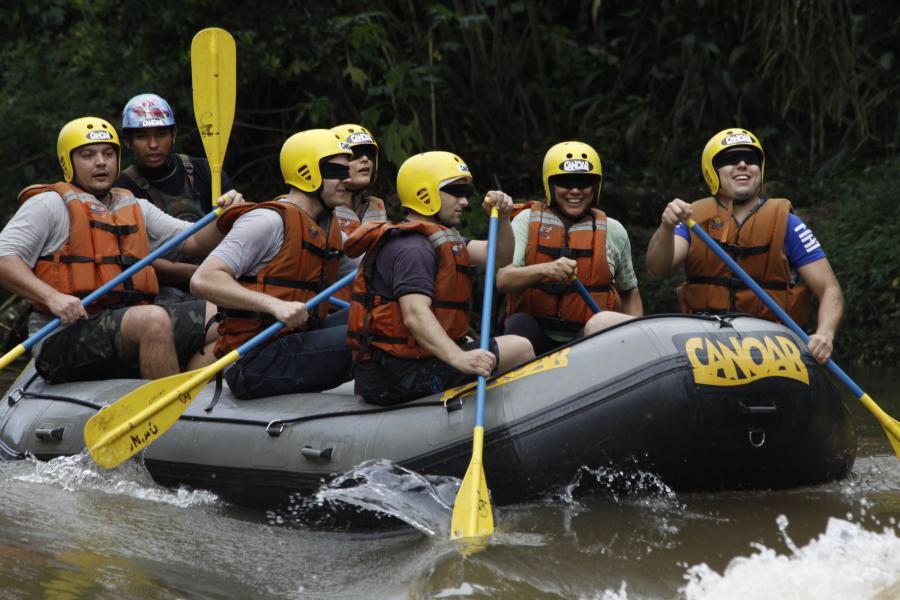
498 82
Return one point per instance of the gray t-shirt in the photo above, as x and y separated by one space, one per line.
255 240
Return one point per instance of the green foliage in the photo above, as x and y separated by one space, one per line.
860 234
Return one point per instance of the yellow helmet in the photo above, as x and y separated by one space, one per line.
302 154
568 158
83 132
420 177
726 140
357 135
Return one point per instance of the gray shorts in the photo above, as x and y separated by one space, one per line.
91 349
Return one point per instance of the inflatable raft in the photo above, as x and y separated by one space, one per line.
704 403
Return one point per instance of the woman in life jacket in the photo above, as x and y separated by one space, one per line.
568 238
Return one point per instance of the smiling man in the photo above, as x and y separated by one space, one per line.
565 238
409 317
68 239
762 234
276 256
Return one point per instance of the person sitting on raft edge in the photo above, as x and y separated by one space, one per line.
68 239
568 237
409 313
275 256
761 234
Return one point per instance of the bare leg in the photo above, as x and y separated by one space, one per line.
212 334
605 320
204 359
147 334
514 350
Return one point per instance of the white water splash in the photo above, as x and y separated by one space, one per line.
385 488
846 561
618 482
79 472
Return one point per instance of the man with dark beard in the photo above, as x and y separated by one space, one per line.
762 234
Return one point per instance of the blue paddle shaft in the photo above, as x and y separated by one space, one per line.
121 277
586 295
486 313
274 328
773 306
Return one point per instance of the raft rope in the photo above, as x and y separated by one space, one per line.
274 428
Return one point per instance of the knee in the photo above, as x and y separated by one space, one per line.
605 320
147 322
514 350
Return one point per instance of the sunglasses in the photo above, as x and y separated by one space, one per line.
575 181
332 170
458 190
733 157
367 150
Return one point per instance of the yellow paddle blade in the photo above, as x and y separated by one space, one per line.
214 82
472 513
890 425
125 427
11 356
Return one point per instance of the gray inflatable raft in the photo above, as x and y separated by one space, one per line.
704 403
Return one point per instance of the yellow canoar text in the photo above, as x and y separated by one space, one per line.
741 360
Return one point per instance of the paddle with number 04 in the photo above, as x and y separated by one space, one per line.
136 420
472 513
891 426
214 83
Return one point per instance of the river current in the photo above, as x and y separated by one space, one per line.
69 529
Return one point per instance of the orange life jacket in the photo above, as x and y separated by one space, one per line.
377 320
757 245
306 264
556 304
101 244
349 221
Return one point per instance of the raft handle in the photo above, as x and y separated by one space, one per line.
15 396
275 428
46 434
759 409
757 437
310 452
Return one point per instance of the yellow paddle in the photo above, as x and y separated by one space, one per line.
890 425
472 514
136 420
214 84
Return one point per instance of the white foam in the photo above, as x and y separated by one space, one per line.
846 561
79 472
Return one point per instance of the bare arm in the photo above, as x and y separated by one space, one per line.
17 277
631 302
203 242
422 323
173 272
215 282
667 250
512 279
821 280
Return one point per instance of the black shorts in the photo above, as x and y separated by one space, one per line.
92 349
387 380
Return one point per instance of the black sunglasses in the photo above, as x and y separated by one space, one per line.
575 181
458 190
733 157
367 150
332 170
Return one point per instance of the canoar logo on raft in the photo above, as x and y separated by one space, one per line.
736 360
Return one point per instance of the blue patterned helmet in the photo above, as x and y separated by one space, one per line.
147 110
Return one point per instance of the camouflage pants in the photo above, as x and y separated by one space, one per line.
92 349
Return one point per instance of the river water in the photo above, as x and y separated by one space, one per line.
71 530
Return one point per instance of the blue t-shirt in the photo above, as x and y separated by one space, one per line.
800 245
